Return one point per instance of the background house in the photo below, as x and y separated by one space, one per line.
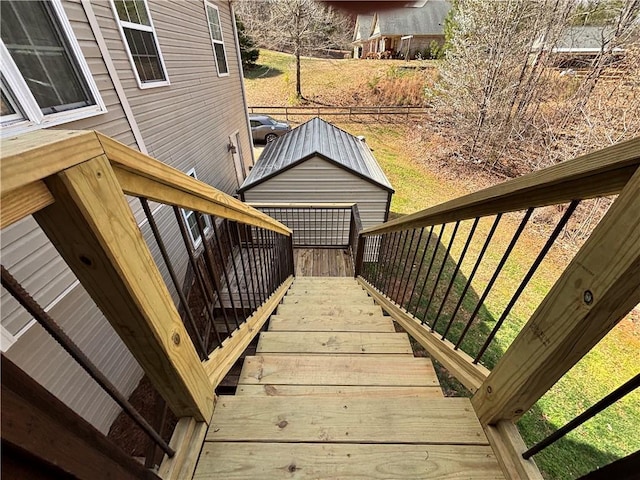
320 163
578 46
161 77
404 32
361 44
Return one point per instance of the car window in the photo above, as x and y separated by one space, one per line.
255 123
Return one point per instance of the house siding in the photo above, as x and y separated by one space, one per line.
32 259
186 125
319 181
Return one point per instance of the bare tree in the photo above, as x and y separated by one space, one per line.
494 78
500 86
297 26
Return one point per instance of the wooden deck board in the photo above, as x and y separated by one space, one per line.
324 262
341 461
324 323
337 391
346 420
333 342
343 370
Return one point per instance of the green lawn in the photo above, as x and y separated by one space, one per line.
612 434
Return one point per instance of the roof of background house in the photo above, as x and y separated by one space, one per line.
425 20
583 39
363 27
317 138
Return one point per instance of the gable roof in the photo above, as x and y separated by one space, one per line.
363 27
584 39
425 20
317 138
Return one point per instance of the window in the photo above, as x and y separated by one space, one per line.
192 222
140 37
215 29
45 79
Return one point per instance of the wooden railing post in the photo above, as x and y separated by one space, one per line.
359 256
599 287
93 228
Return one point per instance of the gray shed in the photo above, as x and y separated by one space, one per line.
320 163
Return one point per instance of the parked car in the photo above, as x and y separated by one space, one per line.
266 129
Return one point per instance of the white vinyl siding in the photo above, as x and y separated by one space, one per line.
319 181
215 30
45 78
143 48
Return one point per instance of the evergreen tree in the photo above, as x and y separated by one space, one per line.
248 51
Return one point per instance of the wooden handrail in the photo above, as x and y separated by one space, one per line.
600 173
27 160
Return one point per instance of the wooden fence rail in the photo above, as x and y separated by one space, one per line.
350 112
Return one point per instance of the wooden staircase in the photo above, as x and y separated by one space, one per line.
335 392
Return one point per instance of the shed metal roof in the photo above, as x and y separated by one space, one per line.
425 20
317 138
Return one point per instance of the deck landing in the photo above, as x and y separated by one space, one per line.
334 392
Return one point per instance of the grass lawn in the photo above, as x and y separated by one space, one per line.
612 434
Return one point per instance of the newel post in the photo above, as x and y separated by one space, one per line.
93 228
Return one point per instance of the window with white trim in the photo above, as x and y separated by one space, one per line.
141 40
192 222
215 31
45 79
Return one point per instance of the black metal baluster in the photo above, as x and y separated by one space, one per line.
201 348
455 271
387 262
543 253
263 263
396 291
256 264
589 413
224 272
252 306
411 264
255 287
52 328
207 296
267 255
210 262
392 265
494 277
226 226
415 282
442 265
426 278
473 273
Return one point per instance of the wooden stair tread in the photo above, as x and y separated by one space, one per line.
312 300
343 370
325 290
329 309
324 323
334 342
310 461
346 420
337 391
